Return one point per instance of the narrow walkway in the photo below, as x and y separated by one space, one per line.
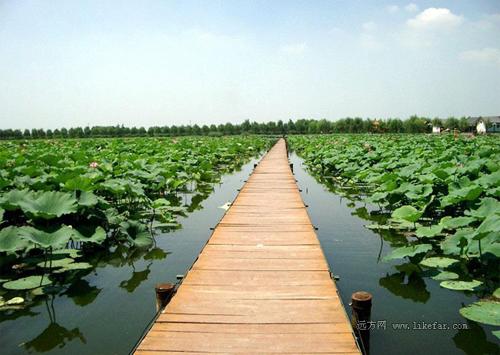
261 284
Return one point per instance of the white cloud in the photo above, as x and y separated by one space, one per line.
294 48
483 56
435 18
411 7
369 26
392 9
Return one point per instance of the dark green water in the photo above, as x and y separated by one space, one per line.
106 310
353 253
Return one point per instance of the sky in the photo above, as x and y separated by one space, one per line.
147 63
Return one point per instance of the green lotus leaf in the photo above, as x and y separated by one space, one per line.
50 204
87 199
468 193
445 275
496 333
428 232
56 263
407 213
486 312
12 199
143 239
97 237
438 262
2 211
12 238
73 266
490 225
55 239
461 285
410 250
489 206
27 283
455 223
80 183
496 294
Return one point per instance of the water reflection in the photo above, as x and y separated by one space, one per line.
473 340
410 287
82 293
54 335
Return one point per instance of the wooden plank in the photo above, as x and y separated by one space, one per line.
255 343
261 284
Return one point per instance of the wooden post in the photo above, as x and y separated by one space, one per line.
164 293
291 167
254 165
361 304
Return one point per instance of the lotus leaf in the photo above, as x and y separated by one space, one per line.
50 204
438 262
461 285
487 312
445 275
428 232
27 283
407 213
410 250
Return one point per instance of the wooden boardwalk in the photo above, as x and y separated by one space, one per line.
261 284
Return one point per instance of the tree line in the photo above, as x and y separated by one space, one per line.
414 124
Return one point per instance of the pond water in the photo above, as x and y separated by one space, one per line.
107 310
353 253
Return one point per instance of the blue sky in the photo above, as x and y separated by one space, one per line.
77 63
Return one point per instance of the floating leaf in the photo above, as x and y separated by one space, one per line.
445 275
74 266
73 253
428 232
438 262
411 250
56 263
13 301
461 285
496 294
496 333
487 312
27 283
407 213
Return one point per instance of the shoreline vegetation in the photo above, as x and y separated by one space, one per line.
413 124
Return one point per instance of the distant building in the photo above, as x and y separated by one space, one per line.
487 124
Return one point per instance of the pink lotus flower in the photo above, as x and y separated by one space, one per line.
93 165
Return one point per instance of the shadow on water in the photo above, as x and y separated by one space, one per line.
411 311
106 308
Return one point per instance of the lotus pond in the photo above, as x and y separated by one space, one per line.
434 199
65 204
